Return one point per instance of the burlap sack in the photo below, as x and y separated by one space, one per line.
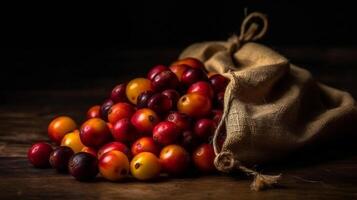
271 106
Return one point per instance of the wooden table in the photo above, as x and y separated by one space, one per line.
313 174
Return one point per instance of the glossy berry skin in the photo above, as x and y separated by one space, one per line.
39 154
104 108
73 141
192 62
145 166
156 70
83 166
145 144
59 158
194 105
174 159
172 94
144 120
179 69
165 80
93 112
89 150
219 82
204 128
119 111
118 146
183 121
143 99
95 133
59 127
137 86
201 87
160 103
203 158
124 131
114 165
118 93
191 76
166 133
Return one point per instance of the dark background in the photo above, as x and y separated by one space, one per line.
64 47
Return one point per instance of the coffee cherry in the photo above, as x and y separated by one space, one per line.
95 133
192 75
144 120
145 144
160 103
119 111
114 146
114 165
83 166
124 131
219 83
156 70
59 127
59 158
137 86
204 128
179 70
145 166
143 99
183 121
105 107
94 112
202 87
73 141
39 154
165 80
118 93
166 133
203 158
192 62
172 94
174 159
194 105
89 150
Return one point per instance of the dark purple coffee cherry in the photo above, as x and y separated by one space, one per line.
143 99
59 158
83 166
104 109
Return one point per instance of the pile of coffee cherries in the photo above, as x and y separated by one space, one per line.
161 124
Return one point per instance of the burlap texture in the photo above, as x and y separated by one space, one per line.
271 107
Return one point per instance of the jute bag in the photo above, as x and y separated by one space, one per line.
271 107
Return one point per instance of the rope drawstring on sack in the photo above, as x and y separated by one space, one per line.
225 161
